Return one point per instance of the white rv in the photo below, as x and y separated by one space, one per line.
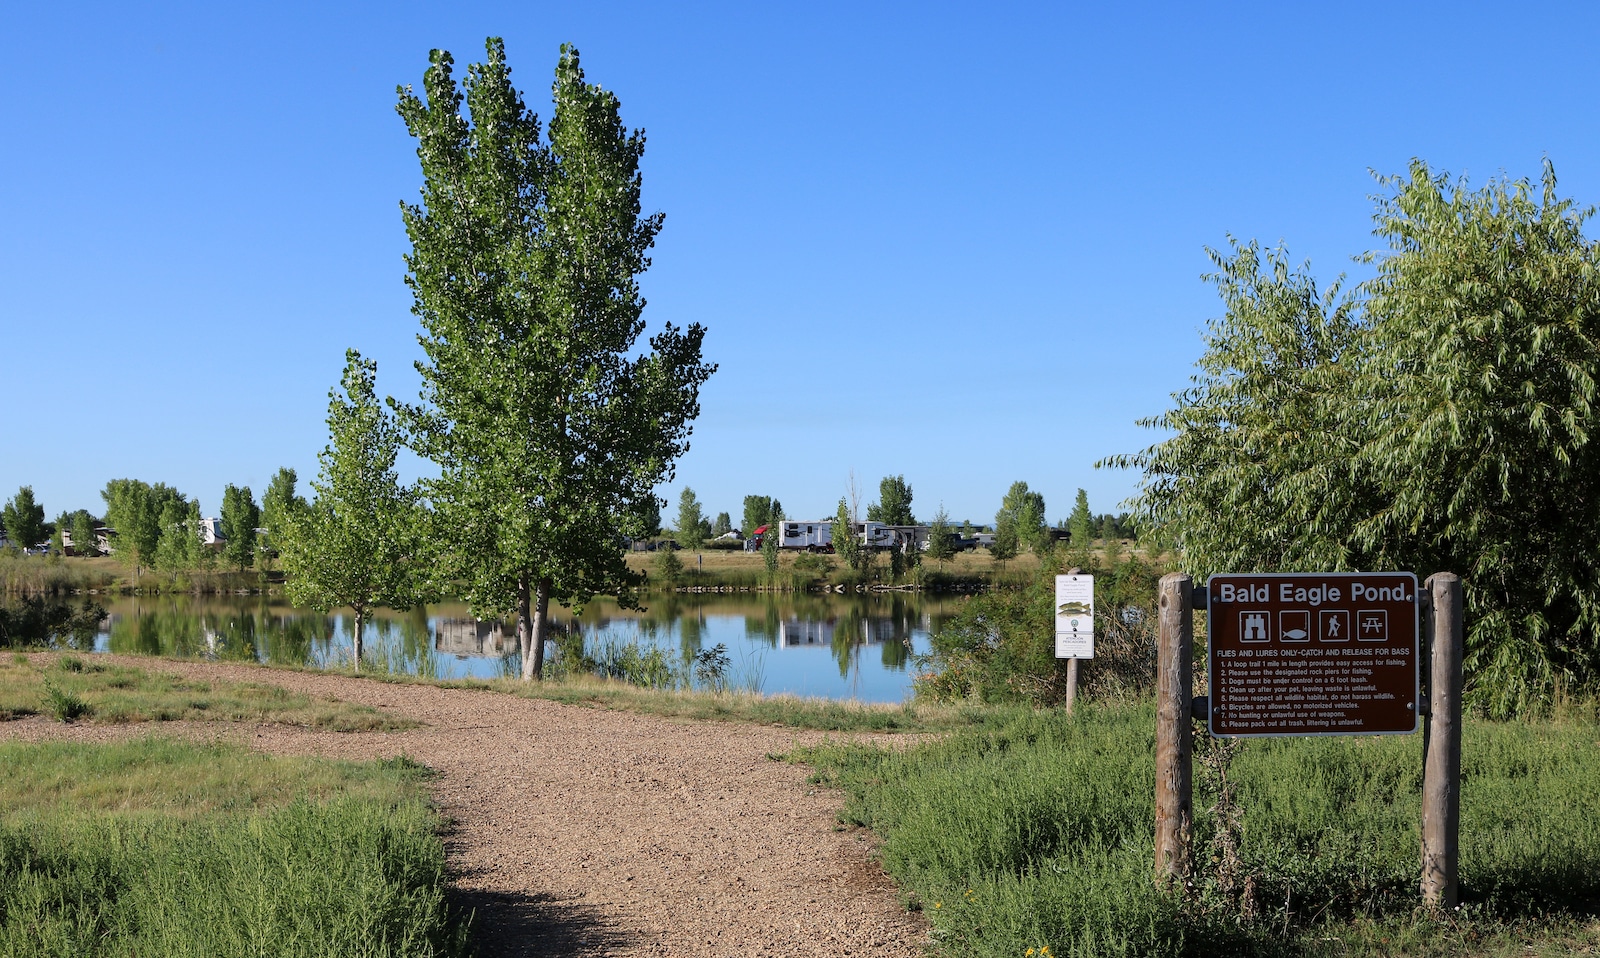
815 536
876 535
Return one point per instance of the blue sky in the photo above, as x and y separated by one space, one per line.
961 243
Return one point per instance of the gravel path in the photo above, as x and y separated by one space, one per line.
587 832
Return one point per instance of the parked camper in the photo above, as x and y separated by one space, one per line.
813 536
875 535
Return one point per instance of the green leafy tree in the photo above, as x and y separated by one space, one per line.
62 526
240 517
941 537
1257 473
133 512
1437 419
669 568
278 505
894 503
770 542
24 519
1004 547
550 428
1081 526
179 547
356 545
846 544
1022 515
759 511
688 530
722 526
1480 395
82 525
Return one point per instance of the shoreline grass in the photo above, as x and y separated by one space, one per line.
1039 833
789 711
163 847
71 687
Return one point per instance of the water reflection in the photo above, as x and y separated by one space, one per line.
825 645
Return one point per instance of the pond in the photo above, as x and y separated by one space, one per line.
829 646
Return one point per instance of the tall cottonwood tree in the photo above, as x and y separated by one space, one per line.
894 503
356 544
688 530
179 547
23 519
84 540
240 517
941 537
1021 517
133 512
845 542
550 429
278 504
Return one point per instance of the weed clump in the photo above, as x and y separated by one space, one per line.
62 704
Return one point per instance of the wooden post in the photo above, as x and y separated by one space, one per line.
1072 665
1174 790
1441 747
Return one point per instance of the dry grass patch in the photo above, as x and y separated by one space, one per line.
68 687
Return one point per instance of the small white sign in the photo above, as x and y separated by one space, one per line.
1074 616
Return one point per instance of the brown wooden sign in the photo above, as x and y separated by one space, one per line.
1318 653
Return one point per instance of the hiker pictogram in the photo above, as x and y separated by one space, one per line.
1334 625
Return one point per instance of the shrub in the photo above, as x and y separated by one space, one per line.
1000 647
62 703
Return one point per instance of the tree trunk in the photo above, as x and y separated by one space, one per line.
524 628
541 625
355 643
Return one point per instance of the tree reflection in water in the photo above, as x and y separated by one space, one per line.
776 641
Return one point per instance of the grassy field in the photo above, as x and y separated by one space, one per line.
70 687
1037 834
158 847
737 569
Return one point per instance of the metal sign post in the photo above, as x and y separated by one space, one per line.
1074 625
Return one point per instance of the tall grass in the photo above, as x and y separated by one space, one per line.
49 575
178 873
1040 833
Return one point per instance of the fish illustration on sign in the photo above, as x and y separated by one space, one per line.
1295 626
1073 608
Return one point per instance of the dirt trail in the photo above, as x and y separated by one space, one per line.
588 832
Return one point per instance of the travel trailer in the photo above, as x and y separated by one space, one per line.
816 536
